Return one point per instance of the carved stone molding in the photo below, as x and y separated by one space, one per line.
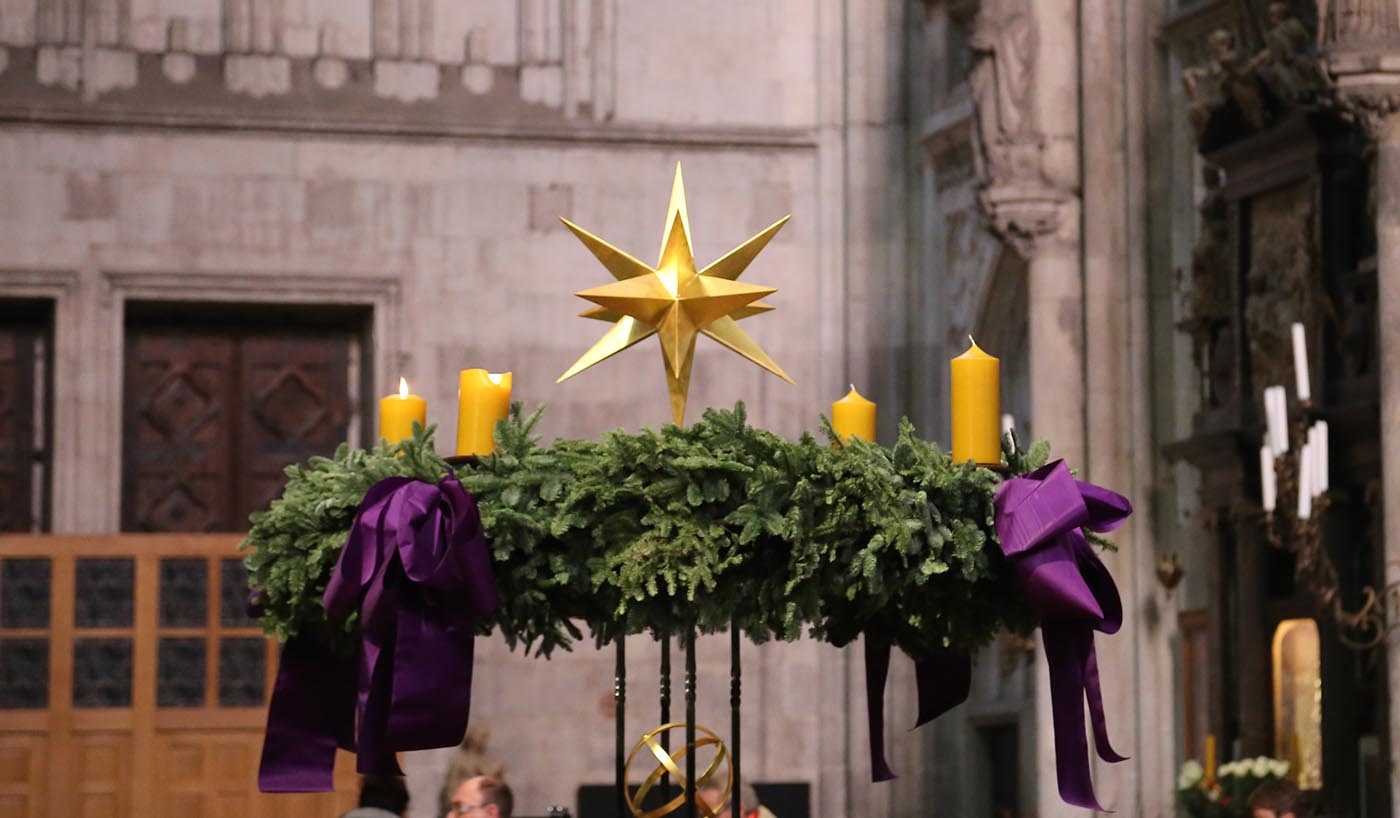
1023 213
1361 42
1363 25
1369 86
552 63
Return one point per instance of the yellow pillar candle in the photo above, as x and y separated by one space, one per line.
854 416
482 399
1209 778
976 388
398 412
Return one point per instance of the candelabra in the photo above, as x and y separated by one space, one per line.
1296 498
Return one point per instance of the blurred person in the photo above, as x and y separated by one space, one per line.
470 760
1277 798
381 796
482 796
749 805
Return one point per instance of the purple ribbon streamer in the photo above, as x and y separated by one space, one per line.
1038 519
943 680
417 568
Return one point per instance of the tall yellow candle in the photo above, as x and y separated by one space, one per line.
1209 778
854 416
398 412
976 388
482 399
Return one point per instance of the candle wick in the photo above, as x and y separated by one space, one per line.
853 387
971 340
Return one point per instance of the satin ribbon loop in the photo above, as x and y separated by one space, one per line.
417 569
1039 518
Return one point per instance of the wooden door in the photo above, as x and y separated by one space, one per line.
212 415
24 327
132 682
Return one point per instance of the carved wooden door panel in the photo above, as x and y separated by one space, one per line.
296 404
212 417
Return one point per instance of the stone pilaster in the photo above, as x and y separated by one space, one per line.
1363 56
1024 82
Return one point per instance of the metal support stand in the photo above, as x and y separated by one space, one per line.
735 683
620 722
691 807
665 686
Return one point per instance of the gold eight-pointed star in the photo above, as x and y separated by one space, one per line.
674 301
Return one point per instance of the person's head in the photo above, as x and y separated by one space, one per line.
711 792
1276 798
482 796
387 792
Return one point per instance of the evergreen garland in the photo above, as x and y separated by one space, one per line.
701 526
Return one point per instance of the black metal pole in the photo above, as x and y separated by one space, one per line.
735 683
666 711
620 722
691 806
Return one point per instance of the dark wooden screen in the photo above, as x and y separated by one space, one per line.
212 415
24 328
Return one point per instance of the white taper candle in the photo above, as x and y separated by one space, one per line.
1322 456
1268 479
1276 415
1300 362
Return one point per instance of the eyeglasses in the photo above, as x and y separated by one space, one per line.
463 809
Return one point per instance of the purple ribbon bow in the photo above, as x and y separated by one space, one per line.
1038 518
417 568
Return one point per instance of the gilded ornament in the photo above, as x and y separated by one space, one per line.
675 301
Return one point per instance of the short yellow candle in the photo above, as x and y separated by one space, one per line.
398 412
482 399
1209 778
854 416
976 388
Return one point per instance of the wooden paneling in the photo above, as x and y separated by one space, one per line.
23 774
143 760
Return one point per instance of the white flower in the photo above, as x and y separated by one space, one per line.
1278 768
1191 774
1259 767
1229 768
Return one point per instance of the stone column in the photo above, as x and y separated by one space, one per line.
1024 83
1364 63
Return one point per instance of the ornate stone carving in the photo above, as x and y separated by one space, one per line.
1004 46
1282 283
1208 292
1227 77
1289 62
1008 145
